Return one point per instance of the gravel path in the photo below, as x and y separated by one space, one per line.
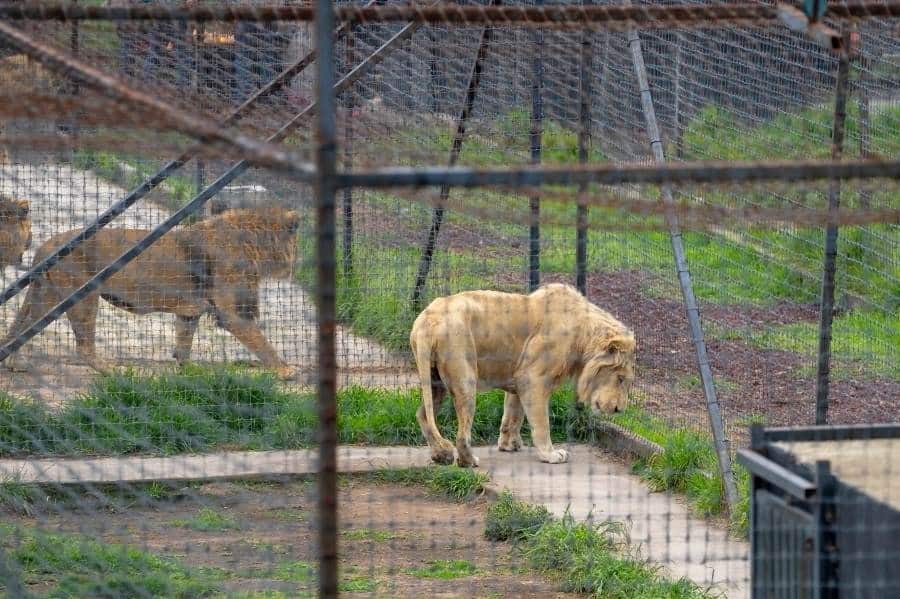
64 198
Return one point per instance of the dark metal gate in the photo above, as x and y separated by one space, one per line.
813 535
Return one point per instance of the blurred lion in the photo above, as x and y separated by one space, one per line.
15 230
525 345
214 266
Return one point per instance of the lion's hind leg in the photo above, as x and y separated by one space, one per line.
441 448
463 381
38 301
83 320
511 425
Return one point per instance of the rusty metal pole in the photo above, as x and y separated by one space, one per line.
537 127
584 143
326 157
826 305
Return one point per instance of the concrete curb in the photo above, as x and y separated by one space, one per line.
621 441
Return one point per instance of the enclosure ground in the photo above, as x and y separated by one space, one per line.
773 385
62 198
593 484
396 541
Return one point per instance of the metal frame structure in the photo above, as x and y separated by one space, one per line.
802 516
327 178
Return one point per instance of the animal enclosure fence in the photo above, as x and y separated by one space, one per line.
435 148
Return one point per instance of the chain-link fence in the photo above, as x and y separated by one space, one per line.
214 272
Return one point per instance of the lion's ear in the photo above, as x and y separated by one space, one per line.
22 209
615 347
620 344
292 218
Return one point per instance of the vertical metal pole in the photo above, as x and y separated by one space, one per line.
433 62
826 313
584 143
200 174
326 132
864 139
684 277
74 44
826 583
10 576
676 108
437 215
347 240
537 127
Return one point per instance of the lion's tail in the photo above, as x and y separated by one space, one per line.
421 344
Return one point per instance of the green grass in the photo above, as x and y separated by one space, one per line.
76 566
716 133
510 519
445 569
368 534
584 557
459 484
198 409
862 342
177 190
209 520
688 465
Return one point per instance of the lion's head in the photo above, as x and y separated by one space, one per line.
266 236
608 373
15 230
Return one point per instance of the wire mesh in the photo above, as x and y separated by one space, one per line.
161 438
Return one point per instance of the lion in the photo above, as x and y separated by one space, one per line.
15 230
525 345
214 266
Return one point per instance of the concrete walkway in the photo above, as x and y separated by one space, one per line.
591 484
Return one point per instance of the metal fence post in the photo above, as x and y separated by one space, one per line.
326 132
537 126
350 103
684 278
826 308
584 143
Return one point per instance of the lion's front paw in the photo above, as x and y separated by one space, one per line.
469 461
509 444
442 456
557 456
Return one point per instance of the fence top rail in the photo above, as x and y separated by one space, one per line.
618 17
616 174
832 433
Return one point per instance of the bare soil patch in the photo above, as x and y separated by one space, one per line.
777 385
387 532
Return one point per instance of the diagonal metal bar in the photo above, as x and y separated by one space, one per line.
195 204
684 277
165 172
437 215
206 130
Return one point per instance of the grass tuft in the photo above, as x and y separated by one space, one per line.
510 519
208 520
584 557
76 566
459 484
445 569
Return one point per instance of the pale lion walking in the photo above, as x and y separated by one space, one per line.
526 345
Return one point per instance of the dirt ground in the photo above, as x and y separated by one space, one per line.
773 384
387 532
